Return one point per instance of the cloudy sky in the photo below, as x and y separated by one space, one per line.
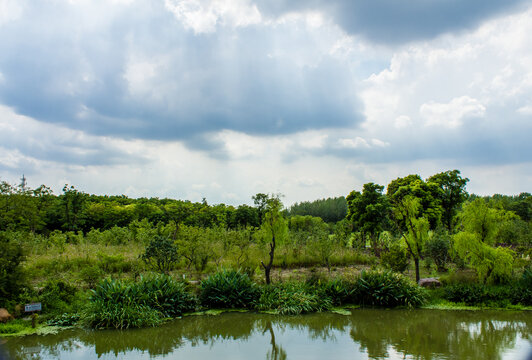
227 98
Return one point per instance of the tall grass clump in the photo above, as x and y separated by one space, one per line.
387 289
228 289
292 298
167 295
123 304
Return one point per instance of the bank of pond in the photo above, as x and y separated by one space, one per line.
155 299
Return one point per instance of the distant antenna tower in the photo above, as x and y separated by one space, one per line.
23 182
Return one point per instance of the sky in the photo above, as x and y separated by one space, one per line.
223 99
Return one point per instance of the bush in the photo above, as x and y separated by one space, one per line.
122 304
161 253
57 297
385 288
292 298
339 291
396 258
437 249
228 289
478 294
11 274
117 304
167 295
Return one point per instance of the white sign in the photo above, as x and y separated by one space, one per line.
33 307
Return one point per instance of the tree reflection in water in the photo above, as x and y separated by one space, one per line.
276 352
374 333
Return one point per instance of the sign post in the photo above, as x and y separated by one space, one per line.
32 308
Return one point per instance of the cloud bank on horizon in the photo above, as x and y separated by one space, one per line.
227 98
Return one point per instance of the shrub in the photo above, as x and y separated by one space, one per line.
478 294
385 288
339 291
57 297
90 275
118 304
291 299
11 274
228 289
161 253
396 258
437 248
167 295
122 304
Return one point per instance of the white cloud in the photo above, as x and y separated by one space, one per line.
525 110
402 121
10 10
453 113
202 16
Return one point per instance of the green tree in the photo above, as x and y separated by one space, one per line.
274 230
161 253
452 194
476 242
428 194
417 227
11 272
369 212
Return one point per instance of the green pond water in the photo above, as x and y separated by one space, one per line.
365 334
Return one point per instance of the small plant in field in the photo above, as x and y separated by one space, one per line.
161 253
228 289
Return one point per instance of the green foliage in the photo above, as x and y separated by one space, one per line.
167 295
388 289
228 289
479 294
330 210
493 265
12 276
396 258
13 327
292 298
91 275
58 297
437 248
122 304
340 291
195 244
417 228
369 211
452 194
161 253
427 194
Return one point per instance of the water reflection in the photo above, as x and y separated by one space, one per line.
373 334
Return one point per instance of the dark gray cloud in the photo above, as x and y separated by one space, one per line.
393 21
139 74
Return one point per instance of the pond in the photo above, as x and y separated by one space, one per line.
365 334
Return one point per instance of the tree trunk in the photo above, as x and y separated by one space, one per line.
267 268
416 262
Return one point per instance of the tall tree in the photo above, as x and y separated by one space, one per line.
476 242
369 212
417 227
274 229
452 194
428 194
